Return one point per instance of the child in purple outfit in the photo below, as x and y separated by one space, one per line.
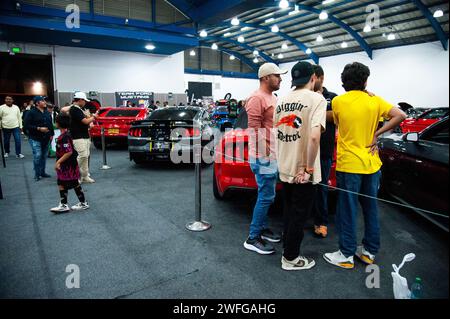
67 168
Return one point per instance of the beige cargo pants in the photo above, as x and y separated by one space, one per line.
82 146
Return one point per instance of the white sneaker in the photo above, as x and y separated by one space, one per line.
80 206
87 180
338 259
299 263
20 156
364 255
61 208
6 155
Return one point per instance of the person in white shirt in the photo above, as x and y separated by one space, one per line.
11 124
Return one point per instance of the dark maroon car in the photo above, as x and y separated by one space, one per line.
415 170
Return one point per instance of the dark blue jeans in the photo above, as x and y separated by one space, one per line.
7 138
321 194
266 174
40 152
347 211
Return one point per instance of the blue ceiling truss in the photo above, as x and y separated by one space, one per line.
243 45
434 23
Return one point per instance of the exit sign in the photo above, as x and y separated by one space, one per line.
16 50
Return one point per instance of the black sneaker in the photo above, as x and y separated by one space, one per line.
269 235
45 175
259 245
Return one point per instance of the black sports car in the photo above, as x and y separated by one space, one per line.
169 134
415 170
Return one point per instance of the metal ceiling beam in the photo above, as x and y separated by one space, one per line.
294 41
365 46
434 23
225 74
324 23
213 11
243 45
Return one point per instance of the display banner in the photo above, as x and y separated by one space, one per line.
139 99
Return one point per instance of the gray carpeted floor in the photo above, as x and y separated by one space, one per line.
132 242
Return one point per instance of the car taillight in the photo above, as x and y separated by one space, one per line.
193 131
136 132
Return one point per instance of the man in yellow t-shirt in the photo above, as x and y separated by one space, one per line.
356 114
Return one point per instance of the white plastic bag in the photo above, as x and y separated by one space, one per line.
400 285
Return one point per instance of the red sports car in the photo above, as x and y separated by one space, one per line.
231 168
423 121
117 122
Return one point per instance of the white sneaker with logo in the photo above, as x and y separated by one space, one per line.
20 156
338 259
299 263
88 180
80 206
364 255
6 155
61 208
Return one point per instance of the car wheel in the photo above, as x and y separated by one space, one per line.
216 191
138 159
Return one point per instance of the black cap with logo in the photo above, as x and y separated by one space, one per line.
301 73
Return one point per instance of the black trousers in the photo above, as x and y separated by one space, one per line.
298 203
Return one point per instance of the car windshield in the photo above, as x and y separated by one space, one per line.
173 115
435 114
123 113
222 109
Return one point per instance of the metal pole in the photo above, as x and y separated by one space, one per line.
3 159
105 165
198 225
2 147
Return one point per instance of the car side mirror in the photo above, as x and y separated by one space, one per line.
412 137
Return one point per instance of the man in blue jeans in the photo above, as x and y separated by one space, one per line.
38 123
11 124
260 109
356 115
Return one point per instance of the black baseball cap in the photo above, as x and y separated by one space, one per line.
39 98
301 73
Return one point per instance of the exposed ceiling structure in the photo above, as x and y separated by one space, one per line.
331 27
253 30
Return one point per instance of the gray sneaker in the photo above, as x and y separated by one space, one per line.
259 245
269 235
299 263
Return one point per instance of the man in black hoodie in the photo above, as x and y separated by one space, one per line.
38 124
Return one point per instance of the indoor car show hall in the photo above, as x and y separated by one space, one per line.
246 153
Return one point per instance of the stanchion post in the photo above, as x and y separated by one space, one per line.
198 225
2 148
105 165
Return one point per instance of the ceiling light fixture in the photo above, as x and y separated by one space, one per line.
241 39
256 53
284 4
367 28
323 15
344 45
214 46
280 56
192 53
150 47
438 13
275 29
284 46
203 33
391 36
232 57
308 51
319 38
235 21
255 60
